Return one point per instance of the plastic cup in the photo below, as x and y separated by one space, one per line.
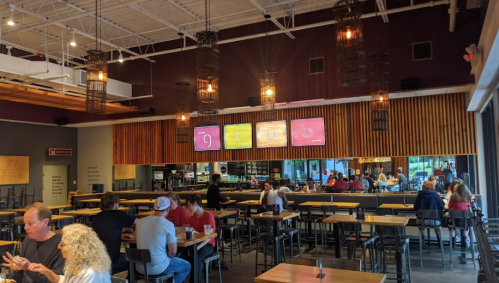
207 230
188 233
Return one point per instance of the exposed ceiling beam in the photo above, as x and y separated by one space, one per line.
198 19
285 7
49 22
296 28
382 7
81 10
35 52
274 20
78 32
163 21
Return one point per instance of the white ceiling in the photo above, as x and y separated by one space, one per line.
132 23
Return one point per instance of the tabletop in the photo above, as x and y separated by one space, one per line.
257 202
301 273
51 207
392 183
370 220
6 243
95 200
284 215
139 201
338 204
7 213
224 203
216 213
88 212
181 240
397 206
54 218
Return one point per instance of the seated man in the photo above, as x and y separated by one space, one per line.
341 185
156 234
310 187
277 196
109 225
282 186
177 215
267 189
199 218
40 246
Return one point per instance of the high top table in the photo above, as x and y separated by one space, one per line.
342 205
301 273
85 214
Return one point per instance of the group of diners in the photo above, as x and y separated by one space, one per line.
86 254
458 197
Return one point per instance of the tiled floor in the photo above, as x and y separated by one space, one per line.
431 271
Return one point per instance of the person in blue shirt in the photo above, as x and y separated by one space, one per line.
427 199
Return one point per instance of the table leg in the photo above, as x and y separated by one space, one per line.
193 259
337 246
398 260
350 211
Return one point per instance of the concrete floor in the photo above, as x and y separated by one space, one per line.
431 271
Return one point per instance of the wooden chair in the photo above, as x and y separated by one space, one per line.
303 261
346 264
73 193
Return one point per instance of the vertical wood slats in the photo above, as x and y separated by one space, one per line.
419 126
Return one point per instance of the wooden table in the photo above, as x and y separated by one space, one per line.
397 206
51 207
85 214
3 213
139 201
6 243
258 203
191 244
343 205
301 273
218 214
20 219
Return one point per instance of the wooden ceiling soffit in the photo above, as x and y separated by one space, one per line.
29 95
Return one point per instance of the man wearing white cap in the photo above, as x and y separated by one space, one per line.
155 233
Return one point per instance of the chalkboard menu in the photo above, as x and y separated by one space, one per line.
236 168
257 168
388 168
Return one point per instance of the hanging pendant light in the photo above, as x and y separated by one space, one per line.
380 104
73 40
349 43
207 74
182 122
96 71
267 84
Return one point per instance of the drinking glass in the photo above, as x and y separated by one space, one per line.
2 278
188 233
207 230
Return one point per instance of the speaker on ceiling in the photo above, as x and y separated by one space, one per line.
147 111
61 121
254 101
410 84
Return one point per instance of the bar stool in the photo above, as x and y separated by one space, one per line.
350 236
289 234
215 257
429 219
231 229
136 256
245 222
307 218
392 238
26 195
264 234
461 220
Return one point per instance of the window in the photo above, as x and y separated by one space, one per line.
420 169
295 170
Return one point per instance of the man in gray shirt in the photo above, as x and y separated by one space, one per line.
157 235
448 175
403 184
40 246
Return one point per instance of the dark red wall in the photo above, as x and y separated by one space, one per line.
240 62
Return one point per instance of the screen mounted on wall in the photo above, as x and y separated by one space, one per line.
308 132
271 134
238 136
207 138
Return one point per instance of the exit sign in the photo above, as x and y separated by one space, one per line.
60 152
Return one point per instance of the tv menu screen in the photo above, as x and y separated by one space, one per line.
207 138
238 136
271 134
308 132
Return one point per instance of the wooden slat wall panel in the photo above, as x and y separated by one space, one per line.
138 143
429 125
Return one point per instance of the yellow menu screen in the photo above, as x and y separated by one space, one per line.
271 134
238 136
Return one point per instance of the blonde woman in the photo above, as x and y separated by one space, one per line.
86 258
382 182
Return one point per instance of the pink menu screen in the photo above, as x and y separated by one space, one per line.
207 138
308 132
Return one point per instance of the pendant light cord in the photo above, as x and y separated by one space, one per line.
267 44
181 58
96 17
206 14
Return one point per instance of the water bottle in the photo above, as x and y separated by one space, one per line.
331 199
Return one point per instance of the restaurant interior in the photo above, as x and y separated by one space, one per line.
319 141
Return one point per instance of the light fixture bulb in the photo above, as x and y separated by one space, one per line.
73 43
183 117
101 75
120 58
269 92
381 98
210 89
349 34
11 22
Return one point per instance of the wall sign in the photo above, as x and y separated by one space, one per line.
308 132
238 136
60 151
14 170
375 159
271 134
207 138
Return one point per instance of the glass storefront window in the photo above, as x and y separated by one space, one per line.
420 169
295 170
315 170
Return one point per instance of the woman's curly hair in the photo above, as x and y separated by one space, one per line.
84 249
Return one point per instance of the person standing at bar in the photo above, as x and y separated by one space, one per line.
448 175
403 184
213 196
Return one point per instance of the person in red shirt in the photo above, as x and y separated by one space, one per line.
356 184
340 185
178 215
461 200
199 218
